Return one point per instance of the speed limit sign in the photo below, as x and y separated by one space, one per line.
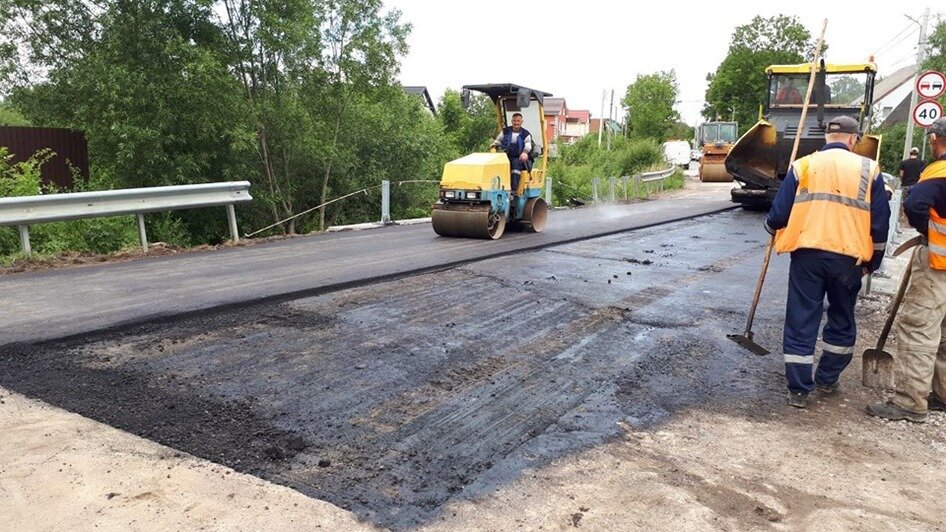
926 113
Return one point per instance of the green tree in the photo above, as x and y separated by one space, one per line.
737 89
650 100
149 85
471 129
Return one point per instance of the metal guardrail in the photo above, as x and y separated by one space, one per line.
636 181
23 211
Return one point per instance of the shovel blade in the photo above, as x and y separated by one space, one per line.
877 369
746 342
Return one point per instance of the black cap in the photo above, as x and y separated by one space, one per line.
843 124
938 127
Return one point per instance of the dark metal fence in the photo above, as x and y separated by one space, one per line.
68 145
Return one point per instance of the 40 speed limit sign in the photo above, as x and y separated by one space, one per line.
925 113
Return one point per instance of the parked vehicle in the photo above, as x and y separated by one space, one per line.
677 152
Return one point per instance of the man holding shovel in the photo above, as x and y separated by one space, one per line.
832 215
920 339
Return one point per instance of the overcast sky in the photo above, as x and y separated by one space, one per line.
576 49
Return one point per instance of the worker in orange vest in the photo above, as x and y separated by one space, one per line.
832 215
921 344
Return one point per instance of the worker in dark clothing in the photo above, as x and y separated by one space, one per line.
516 141
921 351
910 170
832 215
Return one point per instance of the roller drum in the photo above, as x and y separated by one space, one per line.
469 221
714 172
534 215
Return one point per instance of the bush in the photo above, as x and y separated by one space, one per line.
578 164
95 235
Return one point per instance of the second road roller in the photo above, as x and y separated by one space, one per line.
477 199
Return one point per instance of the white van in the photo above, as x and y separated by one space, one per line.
677 152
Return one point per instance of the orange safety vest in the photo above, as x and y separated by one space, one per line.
832 205
936 234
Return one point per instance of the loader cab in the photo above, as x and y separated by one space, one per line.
839 89
759 160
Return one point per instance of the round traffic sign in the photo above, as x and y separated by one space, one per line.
931 84
925 113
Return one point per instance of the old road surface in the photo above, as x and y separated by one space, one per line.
395 398
56 304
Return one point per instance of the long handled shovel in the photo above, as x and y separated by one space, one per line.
745 339
877 367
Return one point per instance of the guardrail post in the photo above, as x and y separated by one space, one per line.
611 182
142 234
594 189
231 217
624 186
25 239
548 191
385 202
640 186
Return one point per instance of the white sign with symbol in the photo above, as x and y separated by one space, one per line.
926 113
931 84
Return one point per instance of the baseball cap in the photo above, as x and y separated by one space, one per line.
914 150
938 128
843 124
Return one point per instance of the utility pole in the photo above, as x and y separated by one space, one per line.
604 94
920 57
610 113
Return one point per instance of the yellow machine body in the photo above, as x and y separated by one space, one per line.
477 171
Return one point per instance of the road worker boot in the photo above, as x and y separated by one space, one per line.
798 399
893 412
934 403
829 389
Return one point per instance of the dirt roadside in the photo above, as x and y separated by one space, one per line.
61 471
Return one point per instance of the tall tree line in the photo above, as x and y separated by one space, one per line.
298 96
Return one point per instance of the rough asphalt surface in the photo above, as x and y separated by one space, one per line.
394 399
59 303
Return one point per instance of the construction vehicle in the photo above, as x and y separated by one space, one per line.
759 159
475 196
716 139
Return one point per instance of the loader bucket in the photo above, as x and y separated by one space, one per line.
753 158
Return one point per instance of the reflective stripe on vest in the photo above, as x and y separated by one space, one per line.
831 210
936 233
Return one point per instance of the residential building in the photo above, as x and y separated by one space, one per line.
556 113
577 125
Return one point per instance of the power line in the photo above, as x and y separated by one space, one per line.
911 28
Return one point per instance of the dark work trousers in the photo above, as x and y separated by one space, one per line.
812 275
518 167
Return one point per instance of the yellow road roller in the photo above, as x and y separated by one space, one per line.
477 199
715 140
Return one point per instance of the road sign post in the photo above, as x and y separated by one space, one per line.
925 113
931 84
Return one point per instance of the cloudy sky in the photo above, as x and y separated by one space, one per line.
577 49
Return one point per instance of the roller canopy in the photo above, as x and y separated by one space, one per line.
500 90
